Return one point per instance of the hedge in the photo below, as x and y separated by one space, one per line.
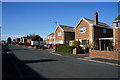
63 48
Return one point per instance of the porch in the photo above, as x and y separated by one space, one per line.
106 44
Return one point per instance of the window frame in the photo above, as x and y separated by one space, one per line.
117 25
104 30
83 28
59 33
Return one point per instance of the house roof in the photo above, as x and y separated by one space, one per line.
67 28
51 34
91 22
118 18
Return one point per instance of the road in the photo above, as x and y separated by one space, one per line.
28 63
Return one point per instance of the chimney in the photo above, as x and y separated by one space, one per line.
96 18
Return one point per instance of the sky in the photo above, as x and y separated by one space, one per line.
60 0
24 18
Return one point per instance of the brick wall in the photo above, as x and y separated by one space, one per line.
59 37
51 40
105 54
117 38
85 35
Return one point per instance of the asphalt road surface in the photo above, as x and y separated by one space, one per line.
26 63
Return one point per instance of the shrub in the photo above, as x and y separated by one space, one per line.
27 44
42 47
63 48
80 50
76 43
21 44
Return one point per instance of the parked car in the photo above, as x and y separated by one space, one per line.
16 44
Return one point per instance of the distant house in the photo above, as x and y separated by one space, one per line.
89 31
30 38
51 39
116 29
64 35
17 40
24 39
2 41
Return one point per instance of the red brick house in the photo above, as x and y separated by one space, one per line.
30 38
89 31
51 39
64 35
115 54
116 25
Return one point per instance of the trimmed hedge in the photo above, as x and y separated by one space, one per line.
63 48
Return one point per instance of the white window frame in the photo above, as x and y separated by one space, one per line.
50 37
59 33
117 26
82 28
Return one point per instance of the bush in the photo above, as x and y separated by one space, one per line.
42 47
80 50
63 48
27 44
21 44
76 43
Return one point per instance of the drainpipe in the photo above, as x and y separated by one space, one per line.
100 44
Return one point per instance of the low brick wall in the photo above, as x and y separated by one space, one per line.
105 54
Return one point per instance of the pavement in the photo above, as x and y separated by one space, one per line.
86 57
30 63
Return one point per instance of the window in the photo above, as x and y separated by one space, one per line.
85 41
59 42
59 33
70 43
66 41
50 37
117 24
104 31
83 30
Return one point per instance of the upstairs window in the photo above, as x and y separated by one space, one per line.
117 24
59 33
104 31
83 30
50 37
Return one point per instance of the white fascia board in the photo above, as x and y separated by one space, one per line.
58 27
81 20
